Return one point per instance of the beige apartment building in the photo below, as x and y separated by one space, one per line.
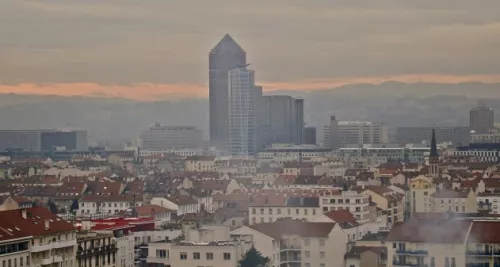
298 243
200 164
421 189
454 201
445 242
274 207
389 201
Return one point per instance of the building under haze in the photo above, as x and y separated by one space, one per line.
341 133
309 137
481 119
160 138
458 135
225 56
43 140
280 120
241 109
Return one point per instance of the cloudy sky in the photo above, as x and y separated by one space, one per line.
154 49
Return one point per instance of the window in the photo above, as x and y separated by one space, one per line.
305 211
227 256
297 211
183 256
308 265
210 256
321 242
322 265
307 241
321 254
261 211
289 212
196 255
347 201
332 200
453 262
446 262
307 254
271 211
253 211
426 193
161 253
456 208
279 211
358 209
358 201
314 211
463 208
394 245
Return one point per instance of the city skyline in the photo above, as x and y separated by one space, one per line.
135 51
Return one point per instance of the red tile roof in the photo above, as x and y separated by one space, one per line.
485 232
285 180
33 225
148 210
447 231
341 216
106 198
281 228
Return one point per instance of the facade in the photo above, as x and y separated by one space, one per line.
225 56
241 107
309 136
341 133
280 120
43 140
453 201
417 135
200 164
357 204
36 237
421 189
489 202
298 243
103 204
390 202
166 138
493 137
481 119
297 208
96 249
384 154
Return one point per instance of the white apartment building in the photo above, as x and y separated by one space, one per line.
384 154
208 246
351 201
272 209
52 241
181 204
480 155
356 132
103 204
298 243
452 242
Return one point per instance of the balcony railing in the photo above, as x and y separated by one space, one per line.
406 264
96 250
415 252
485 253
290 247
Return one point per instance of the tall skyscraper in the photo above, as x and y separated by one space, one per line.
280 120
481 119
241 108
225 56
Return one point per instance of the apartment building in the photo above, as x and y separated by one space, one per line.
341 133
488 202
298 243
421 189
180 204
352 201
454 201
52 241
271 208
96 249
448 242
159 137
103 204
200 164
390 202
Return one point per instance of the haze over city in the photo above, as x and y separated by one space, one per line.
155 50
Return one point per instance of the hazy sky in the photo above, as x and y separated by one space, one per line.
149 49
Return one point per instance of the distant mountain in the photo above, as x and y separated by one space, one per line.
393 103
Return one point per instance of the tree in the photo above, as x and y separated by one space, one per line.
52 206
253 258
74 205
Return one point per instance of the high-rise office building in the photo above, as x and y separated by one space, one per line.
225 56
241 109
280 120
481 119
43 140
309 136
341 133
159 137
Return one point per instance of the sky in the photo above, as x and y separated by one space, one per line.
158 49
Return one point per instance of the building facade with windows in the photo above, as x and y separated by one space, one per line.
352 201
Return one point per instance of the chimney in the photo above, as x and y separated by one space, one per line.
24 213
47 223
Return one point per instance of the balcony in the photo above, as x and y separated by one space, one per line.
406 264
290 247
38 248
80 253
63 244
483 253
412 252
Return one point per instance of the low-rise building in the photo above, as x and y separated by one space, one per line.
488 202
200 164
103 204
454 201
421 189
352 201
387 200
366 257
270 208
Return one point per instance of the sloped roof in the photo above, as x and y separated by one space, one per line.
294 227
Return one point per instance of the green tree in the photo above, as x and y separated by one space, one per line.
253 258
52 206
